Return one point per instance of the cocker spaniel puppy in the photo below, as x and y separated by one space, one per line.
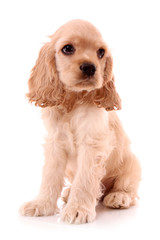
72 81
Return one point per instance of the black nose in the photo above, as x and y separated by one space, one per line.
88 69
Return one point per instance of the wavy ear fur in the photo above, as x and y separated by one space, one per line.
111 99
44 86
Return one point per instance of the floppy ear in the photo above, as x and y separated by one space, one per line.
113 101
43 83
107 96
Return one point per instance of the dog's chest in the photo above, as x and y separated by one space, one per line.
84 123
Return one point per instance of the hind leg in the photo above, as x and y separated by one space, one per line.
117 200
65 194
124 191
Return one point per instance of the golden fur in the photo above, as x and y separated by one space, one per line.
85 143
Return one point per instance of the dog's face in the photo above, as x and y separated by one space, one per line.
75 63
80 57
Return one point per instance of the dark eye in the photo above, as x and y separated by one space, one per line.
100 53
68 49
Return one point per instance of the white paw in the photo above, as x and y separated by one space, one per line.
117 200
73 214
37 208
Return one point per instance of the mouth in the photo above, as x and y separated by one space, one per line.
88 84
88 81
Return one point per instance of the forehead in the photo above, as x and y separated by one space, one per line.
80 33
82 41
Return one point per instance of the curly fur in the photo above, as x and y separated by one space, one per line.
85 141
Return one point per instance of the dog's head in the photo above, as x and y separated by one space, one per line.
76 64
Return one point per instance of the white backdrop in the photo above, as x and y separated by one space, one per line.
131 29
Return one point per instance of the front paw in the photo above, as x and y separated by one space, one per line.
77 214
38 207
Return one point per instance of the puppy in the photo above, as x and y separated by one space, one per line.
72 81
